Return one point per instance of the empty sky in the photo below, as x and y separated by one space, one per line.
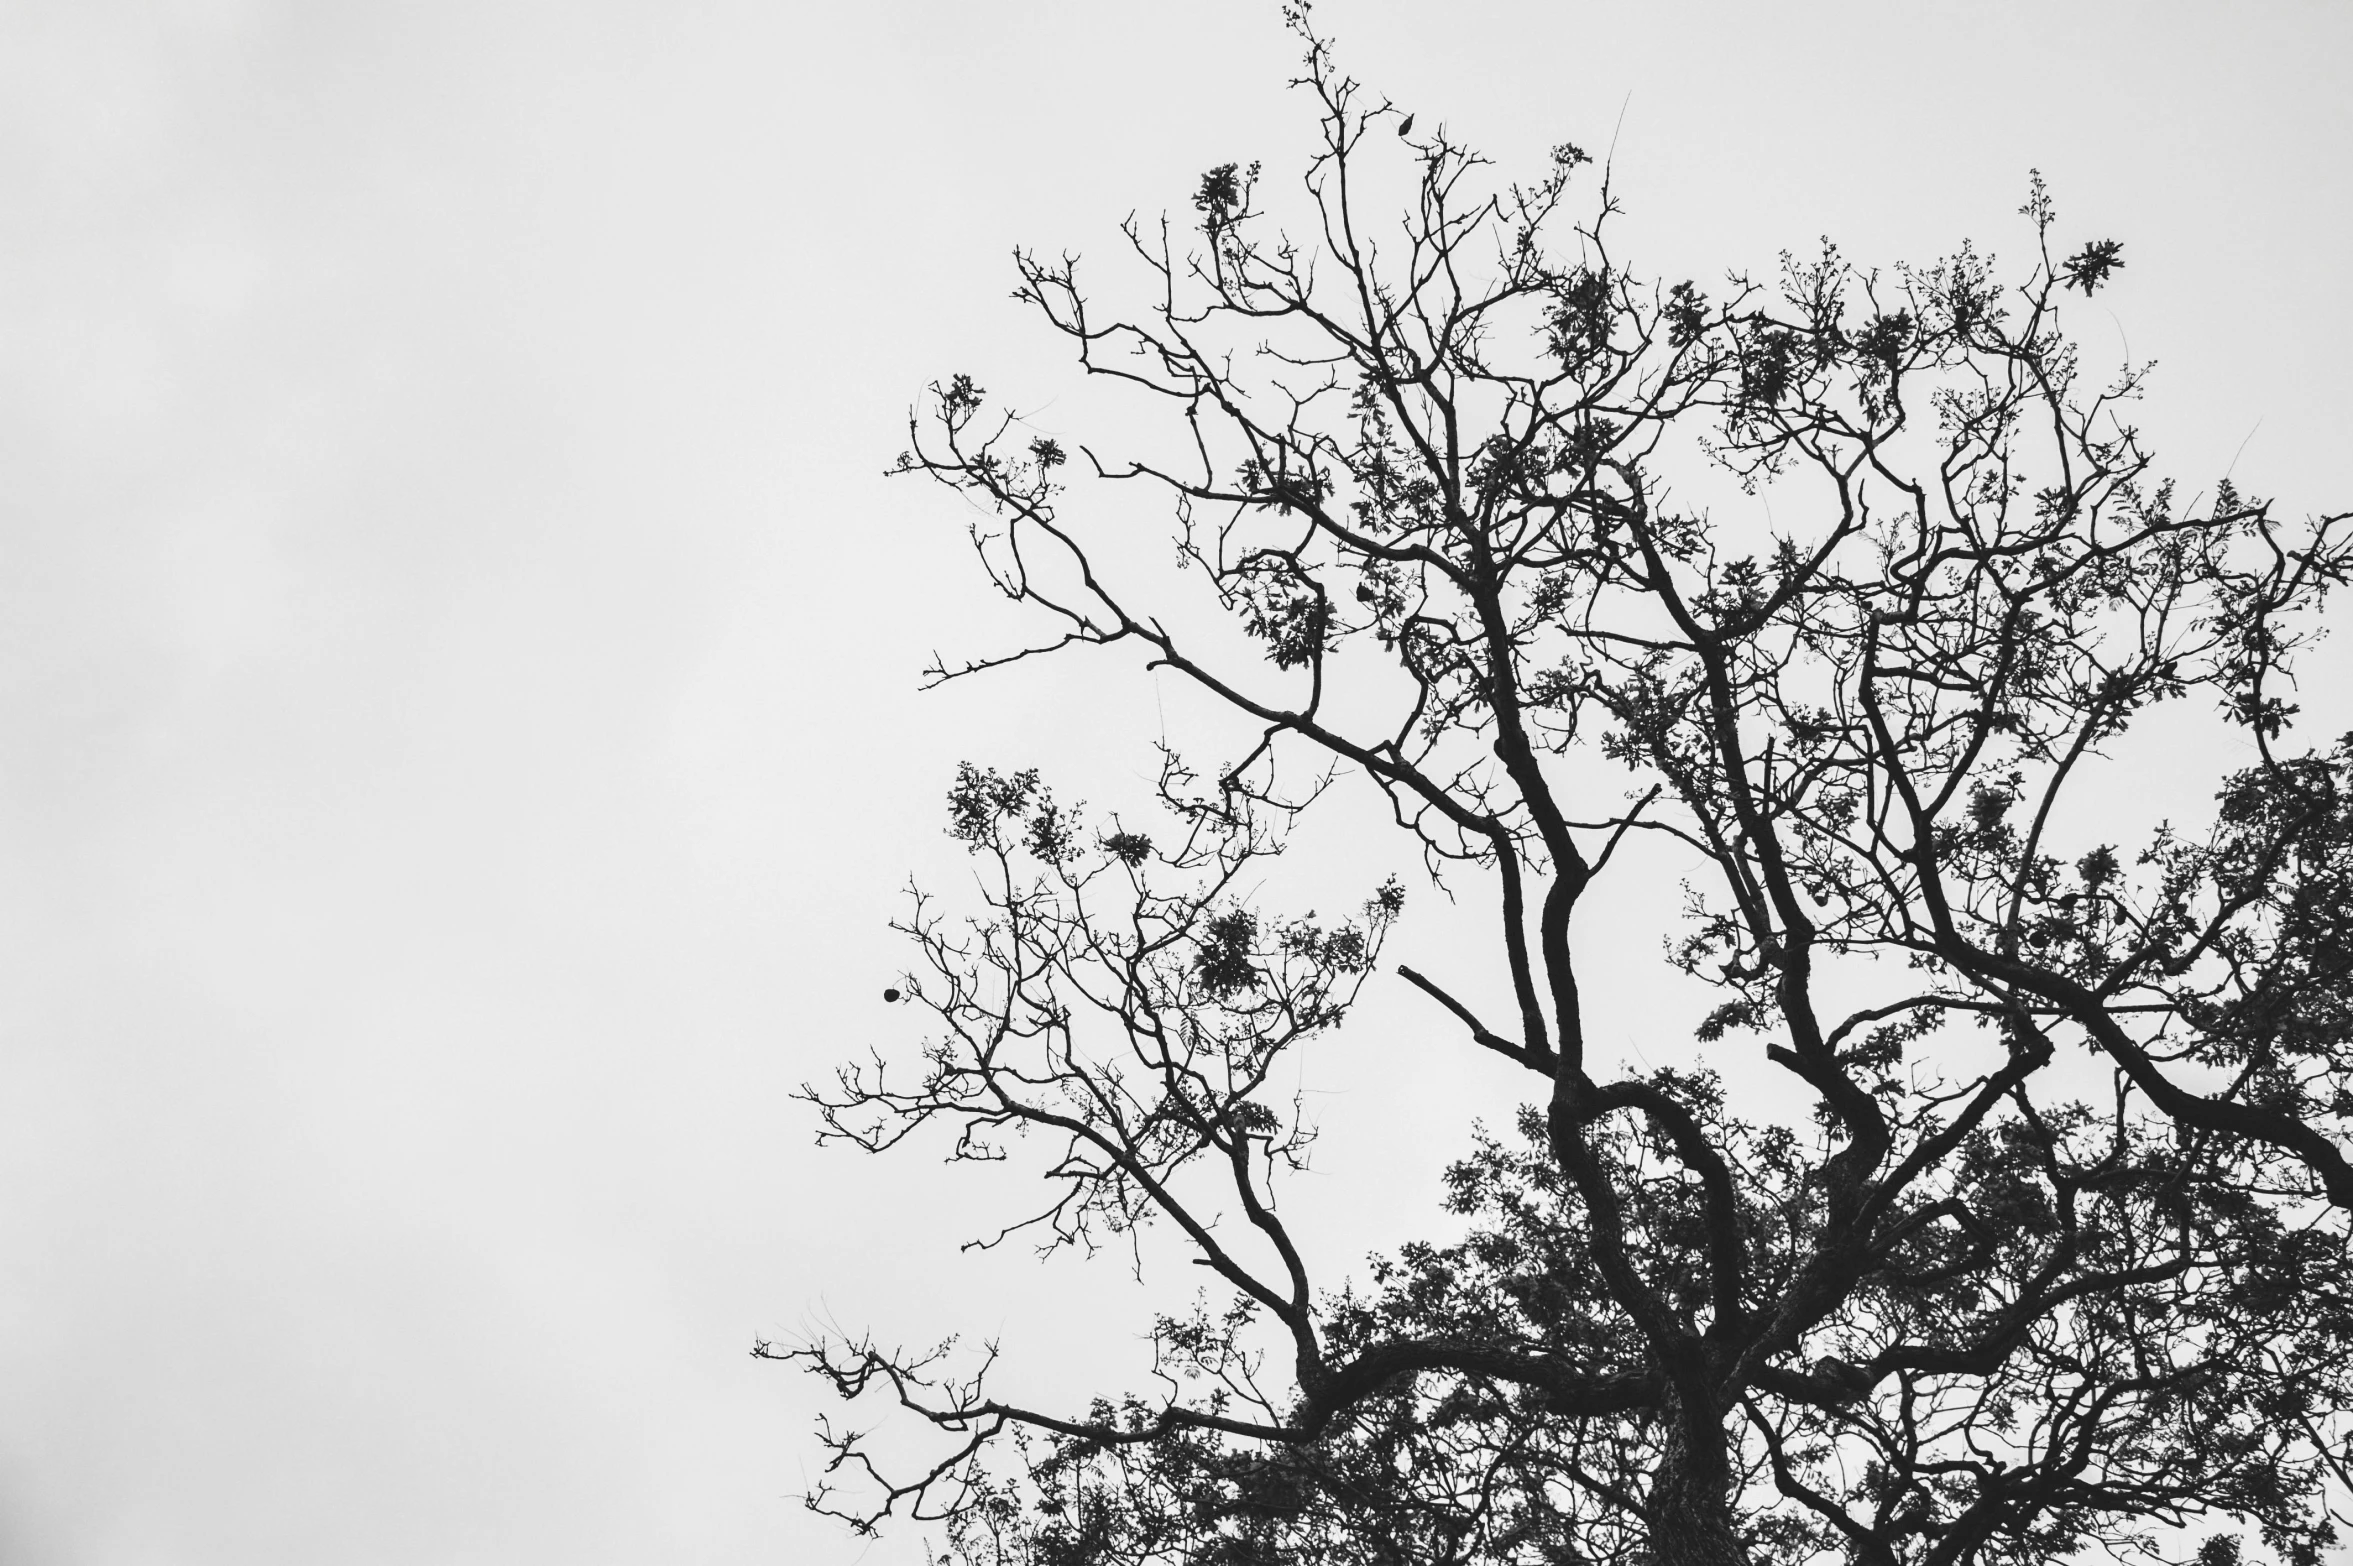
458 740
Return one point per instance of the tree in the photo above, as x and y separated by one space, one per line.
2050 1261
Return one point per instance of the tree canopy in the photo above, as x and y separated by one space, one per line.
2050 1258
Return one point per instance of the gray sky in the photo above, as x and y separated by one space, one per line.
458 741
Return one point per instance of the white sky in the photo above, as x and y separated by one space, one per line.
458 744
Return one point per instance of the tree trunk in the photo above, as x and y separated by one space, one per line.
1689 1510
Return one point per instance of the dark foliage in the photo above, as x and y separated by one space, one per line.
2055 1267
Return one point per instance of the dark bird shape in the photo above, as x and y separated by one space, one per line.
1405 126
1850 1379
890 995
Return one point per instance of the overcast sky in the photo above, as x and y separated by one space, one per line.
458 733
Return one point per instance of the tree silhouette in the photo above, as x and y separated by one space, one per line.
2051 1260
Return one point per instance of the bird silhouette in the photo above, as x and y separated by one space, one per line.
1405 126
1851 1380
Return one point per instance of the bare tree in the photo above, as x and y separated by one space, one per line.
2052 1260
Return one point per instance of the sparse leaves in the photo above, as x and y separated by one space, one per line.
2049 1257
